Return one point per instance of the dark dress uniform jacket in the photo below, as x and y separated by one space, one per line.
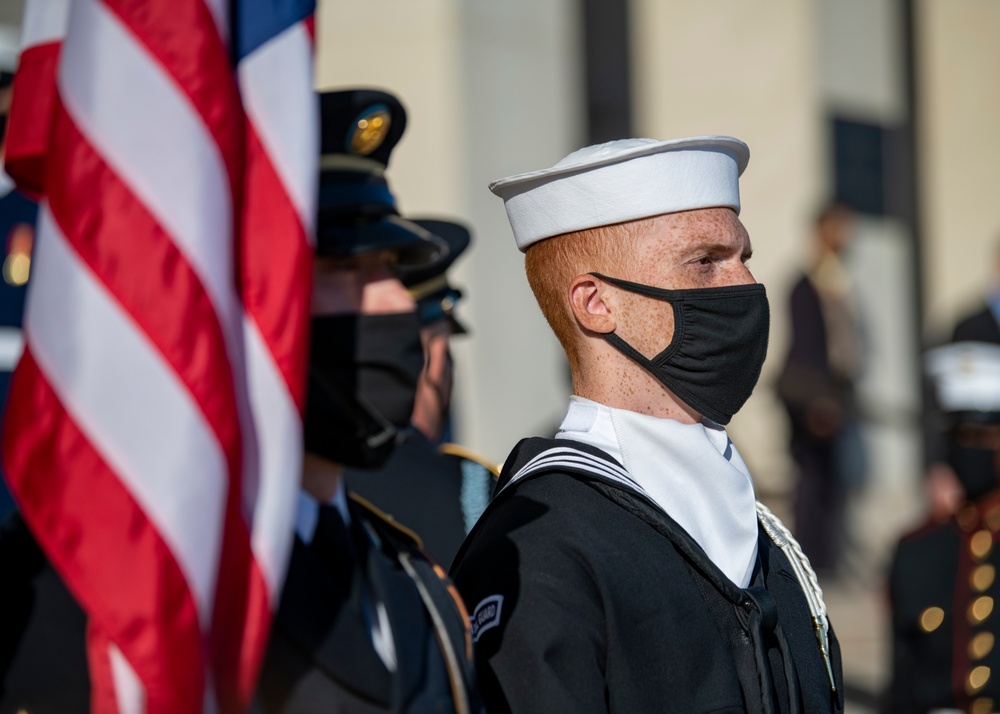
589 598
321 658
942 587
440 496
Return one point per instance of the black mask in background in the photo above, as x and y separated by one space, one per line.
363 372
975 468
718 348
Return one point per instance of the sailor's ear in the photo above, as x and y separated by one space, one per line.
589 300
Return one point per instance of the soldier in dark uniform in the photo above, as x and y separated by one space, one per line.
366 621
942 581
439 492
625 566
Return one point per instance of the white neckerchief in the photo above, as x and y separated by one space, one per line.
692 471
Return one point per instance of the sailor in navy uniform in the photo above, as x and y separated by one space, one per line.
438 491
367 622
942 581
626 566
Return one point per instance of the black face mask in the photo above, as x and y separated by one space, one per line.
718 348
975 468
363 372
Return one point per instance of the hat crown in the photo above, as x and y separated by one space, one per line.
361 122
601 151
621 181
966 376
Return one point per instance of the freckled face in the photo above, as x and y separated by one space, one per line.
706 248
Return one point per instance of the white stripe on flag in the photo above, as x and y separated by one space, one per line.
141 123
131 406
276 82
279 440
44 21
129 693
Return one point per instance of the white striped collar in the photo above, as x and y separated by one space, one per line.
692 471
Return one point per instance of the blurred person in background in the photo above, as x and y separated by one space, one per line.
18 214
816 385
439 492
366 622
942 580
625 566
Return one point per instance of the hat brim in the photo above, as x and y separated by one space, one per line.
457 238
413 245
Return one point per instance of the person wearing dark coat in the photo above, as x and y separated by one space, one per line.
367 622
816 386
438 491
626 566
942 579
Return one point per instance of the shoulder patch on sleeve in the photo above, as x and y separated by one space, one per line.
486 615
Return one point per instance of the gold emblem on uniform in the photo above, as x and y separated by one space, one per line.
370 131
931 619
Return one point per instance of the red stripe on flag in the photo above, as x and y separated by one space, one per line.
183 37
260 613
139 264
276 268
135 259
29 123
102 690
121 571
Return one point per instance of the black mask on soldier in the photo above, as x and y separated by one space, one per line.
718 348
975 468
363 372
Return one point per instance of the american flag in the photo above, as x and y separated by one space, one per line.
153 431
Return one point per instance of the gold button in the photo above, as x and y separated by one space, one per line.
981 543
980 609
992 519
982 577
931 619
981 645
983 705
967 517
978 678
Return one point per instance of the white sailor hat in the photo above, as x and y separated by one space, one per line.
622 181
967 376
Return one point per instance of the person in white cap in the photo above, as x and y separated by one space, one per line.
625 566
942 579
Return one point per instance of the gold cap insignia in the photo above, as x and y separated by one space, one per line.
370 130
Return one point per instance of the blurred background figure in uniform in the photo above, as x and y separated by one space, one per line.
18 214
438 491
942 581
816 386
366 623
